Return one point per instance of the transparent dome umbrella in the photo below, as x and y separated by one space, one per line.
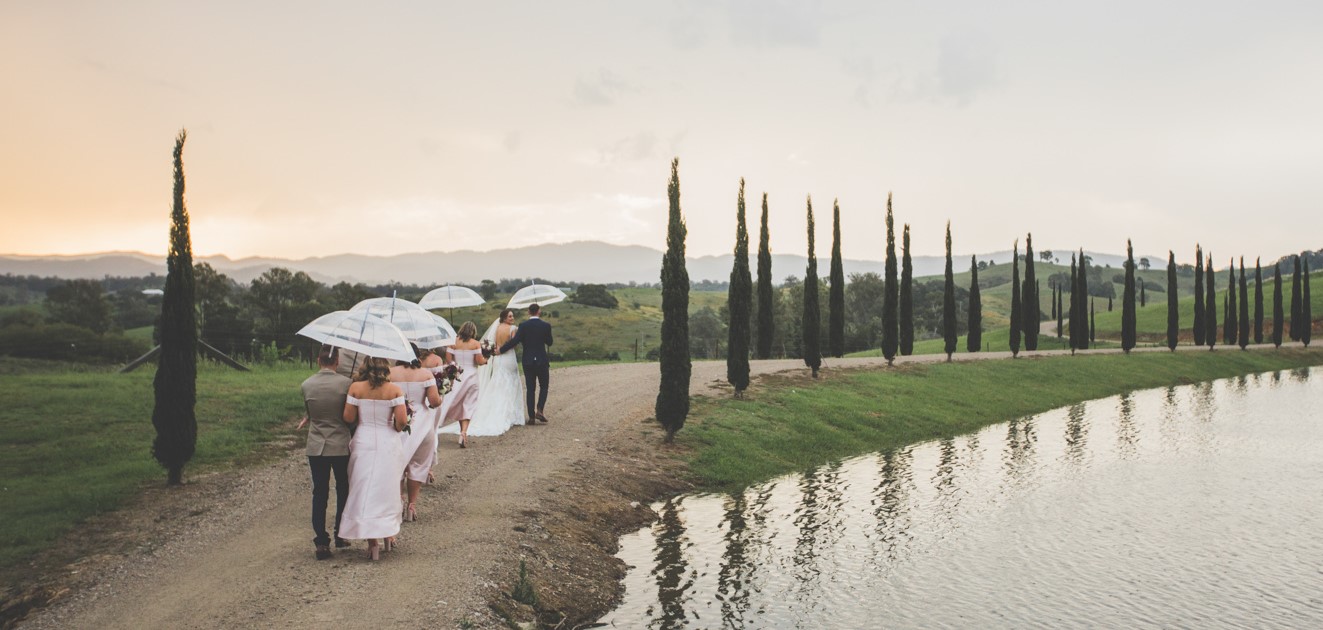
360 332
446 328
540 294
414 321
451 296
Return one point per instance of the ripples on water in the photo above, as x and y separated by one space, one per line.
1195 506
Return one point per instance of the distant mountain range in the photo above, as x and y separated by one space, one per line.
583 261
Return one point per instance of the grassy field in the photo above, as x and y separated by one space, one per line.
794 423
75 441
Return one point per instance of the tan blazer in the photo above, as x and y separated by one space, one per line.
324 397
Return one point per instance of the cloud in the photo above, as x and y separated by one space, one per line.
637 148
601 90
966 66
775 23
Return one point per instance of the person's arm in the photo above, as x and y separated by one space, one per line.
548 335
433 398
350 414
478 359
509 345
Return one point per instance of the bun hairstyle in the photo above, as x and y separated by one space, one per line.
418 354
375 371
504 312
468 331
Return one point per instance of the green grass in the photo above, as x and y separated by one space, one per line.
76 441
793 423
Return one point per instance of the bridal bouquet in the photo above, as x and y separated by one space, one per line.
487 349
446 377
408 413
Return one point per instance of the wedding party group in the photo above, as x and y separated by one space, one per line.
374 426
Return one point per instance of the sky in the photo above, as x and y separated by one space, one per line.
318 128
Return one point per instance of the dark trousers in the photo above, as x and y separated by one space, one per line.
322 466
536 375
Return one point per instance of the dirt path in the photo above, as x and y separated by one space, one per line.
235 551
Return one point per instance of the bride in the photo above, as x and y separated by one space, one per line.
501 404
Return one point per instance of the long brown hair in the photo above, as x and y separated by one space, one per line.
375 371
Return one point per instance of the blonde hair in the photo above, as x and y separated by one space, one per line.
375 371
468 331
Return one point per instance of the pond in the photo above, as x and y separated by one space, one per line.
1192 506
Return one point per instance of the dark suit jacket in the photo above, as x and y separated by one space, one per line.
535 335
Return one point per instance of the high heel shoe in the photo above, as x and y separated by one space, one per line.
391 544
374 550
410 514
463 442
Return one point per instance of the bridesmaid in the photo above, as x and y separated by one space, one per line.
467 354
376 459
419 444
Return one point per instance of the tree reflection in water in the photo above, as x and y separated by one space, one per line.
670 569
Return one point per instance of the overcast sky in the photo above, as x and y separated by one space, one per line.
327 127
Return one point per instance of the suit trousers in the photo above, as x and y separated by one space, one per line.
536 375
322 466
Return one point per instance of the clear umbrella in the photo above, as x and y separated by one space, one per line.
451 296
446 328
540 294
360 332
414 321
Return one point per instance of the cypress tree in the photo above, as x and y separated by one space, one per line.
1056 293
1306 310
739 299
1015 300
1109 304
1074 318
673 395
1128 301
1053 314
906 331
175 385
1080 297
1296 311
1210 305
765 304
1093 330
1029 298
1143 294
811 322
1278 317
974 341
890 293
948 302
836 295
1229 316
1258 301
1243 331
1173 304
1198 296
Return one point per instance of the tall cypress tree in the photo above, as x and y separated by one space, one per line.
906 332
836 297
1173 304
1080 297
765 304
974 341
739 299
1128 301
1056 296
1296 311
673 395
1258 301
1306 309
948 302
1143 293
1278 317
1053 301
1229 316
1029 298
812 320
1073 339
890 293
1016 308
1210 305
1243 327
1198 296
1093 330
175 385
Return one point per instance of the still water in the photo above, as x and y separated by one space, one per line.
1196 506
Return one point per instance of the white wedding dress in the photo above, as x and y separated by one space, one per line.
500 394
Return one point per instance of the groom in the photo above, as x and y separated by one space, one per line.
535 335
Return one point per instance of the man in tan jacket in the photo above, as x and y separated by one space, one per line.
328 446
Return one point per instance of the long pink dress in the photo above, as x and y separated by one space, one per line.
419 444
376 461
464 397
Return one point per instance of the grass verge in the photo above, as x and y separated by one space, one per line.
793 423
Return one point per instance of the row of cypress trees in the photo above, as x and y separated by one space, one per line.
1239 326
